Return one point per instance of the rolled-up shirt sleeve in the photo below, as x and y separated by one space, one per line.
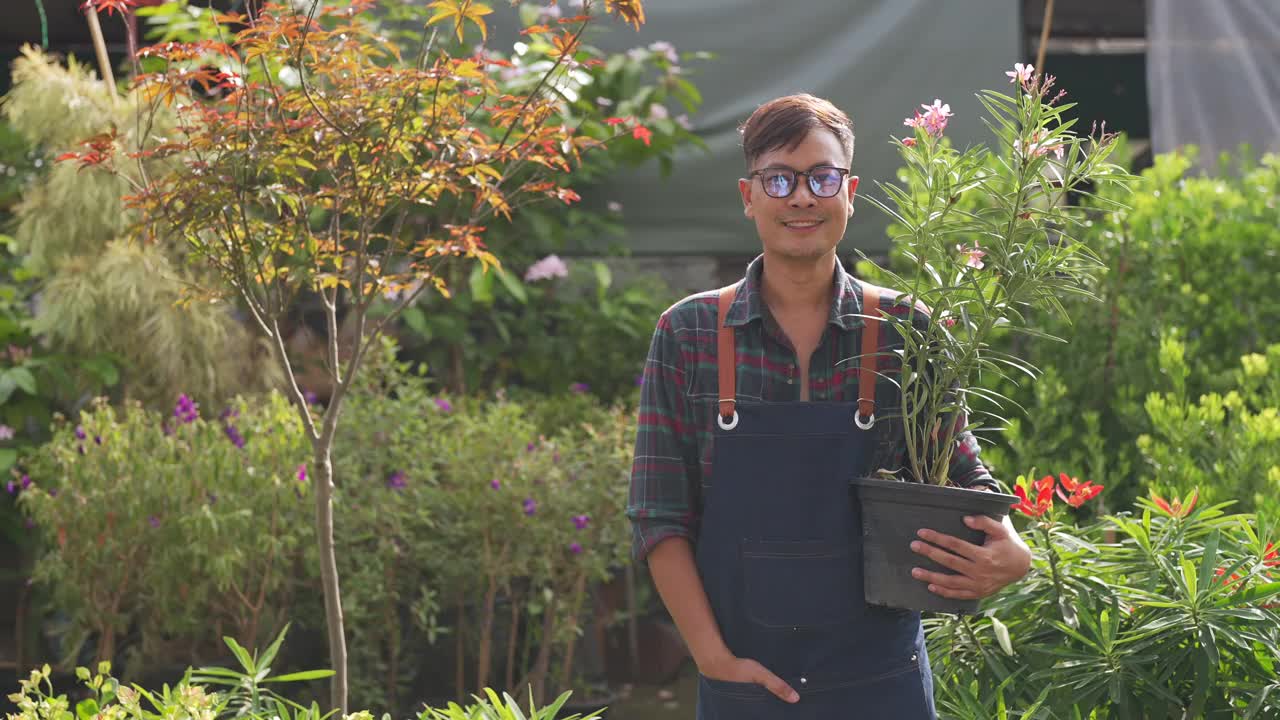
664 471
967 469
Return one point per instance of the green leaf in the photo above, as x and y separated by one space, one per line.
513 285
269 655
481 284
86 709
604 278
8 458
301 676
23 378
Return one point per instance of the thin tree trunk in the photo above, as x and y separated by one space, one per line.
633 622
514 633
460 656
566 670
100 48
486 633
543 663
392 623
329 572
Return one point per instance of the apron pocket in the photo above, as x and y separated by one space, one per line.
725 700
798 584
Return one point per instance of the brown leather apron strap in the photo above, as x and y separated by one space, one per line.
726 356
869 362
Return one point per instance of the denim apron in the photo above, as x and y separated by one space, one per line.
780 556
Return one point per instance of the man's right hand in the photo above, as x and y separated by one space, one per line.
745 670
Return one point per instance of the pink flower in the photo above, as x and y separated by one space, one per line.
913 122
1020 73
575 548
909 142
547 268
6 432
302 473
973 255
935 117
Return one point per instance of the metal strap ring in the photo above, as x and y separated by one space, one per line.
729 425
857 420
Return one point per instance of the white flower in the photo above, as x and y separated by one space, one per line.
659 112
547 268
615 206
6 432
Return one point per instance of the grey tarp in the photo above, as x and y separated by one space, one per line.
1213 73
876 59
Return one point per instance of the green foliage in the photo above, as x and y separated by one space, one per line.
100 292
464 518
167 527
247 697
583 329
1227 445
1193 256
1149 614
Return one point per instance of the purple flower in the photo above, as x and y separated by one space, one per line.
12 487
81 449
640 380
80 433
310 398
26 482
213 499
97 439
234 436
187 410
581 521
444 405
53 492
495 484
302 473
530 506
579 387
530 447
575 548
230 413
397 481
155 521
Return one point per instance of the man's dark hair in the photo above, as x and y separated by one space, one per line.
786 121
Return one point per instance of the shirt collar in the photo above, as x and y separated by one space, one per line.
749 305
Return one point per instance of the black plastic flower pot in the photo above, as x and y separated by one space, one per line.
891 513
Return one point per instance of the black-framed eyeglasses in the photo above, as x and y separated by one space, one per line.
824 181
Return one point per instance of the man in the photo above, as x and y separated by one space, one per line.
749 434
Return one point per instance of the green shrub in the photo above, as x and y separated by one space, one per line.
1193 255
481 519
180 529
1167 612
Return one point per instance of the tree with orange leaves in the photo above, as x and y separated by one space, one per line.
305 186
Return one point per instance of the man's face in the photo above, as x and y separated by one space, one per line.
801 225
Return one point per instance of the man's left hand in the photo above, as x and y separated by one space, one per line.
982 569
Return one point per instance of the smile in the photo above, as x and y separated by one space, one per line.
803 224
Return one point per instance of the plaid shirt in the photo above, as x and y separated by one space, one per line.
671 472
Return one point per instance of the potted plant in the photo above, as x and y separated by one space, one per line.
988 236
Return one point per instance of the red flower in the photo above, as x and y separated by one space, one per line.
1176 508
1271 556
642 134
1083 494
616 121
111 6
1044 497
1234 580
